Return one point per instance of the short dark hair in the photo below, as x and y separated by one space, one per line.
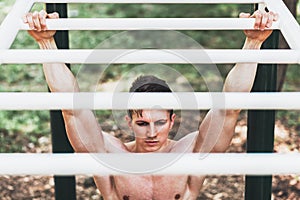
148 83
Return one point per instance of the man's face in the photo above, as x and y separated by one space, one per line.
151 129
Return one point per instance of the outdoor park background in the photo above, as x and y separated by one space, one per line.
29 131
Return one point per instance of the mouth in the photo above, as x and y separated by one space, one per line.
151 142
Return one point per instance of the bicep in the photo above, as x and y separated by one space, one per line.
85 134
83 131
216 131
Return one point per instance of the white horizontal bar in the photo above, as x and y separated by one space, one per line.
135 56
288 25
154 1
149 24
123 101
153 163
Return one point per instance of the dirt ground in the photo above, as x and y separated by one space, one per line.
214 188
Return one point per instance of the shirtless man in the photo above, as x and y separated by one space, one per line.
151 127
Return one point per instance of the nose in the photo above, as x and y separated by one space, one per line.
151 132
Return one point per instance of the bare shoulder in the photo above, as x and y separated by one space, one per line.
130 146
185 144
113 144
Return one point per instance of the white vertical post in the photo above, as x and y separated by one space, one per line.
288 25
262 7
11 24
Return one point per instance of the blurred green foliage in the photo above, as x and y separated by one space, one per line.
18 128
291 118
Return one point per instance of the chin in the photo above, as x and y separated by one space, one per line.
152 149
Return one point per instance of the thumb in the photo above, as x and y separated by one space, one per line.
244 15
54 15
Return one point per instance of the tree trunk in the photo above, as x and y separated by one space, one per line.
282 68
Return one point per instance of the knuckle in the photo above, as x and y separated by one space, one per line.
258 15
42 13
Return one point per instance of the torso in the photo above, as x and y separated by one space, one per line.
150 187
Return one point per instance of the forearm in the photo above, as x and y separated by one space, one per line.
242 75
217 129
213 135
58 75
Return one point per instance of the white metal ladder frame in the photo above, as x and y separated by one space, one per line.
62 164
286 24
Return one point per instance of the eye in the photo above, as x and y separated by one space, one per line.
141 123
160 122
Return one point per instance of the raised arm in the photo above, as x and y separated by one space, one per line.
83 130
58 76
241 77
217 129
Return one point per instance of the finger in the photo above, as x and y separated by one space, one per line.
270 20
42 18
244 15
30 21
275 17
54 15
24 18
258 17
36 21
264 21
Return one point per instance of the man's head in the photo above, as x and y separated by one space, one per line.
151 127
148 84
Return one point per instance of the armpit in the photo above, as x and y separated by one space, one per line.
185 144
113 144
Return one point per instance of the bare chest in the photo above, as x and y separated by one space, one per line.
150 187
